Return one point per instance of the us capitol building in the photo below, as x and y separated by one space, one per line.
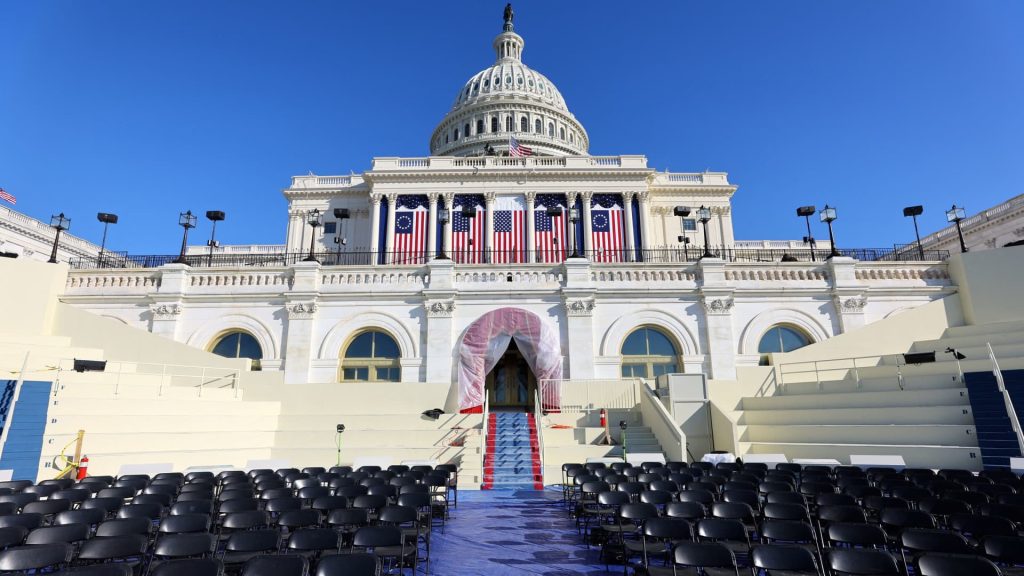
507 256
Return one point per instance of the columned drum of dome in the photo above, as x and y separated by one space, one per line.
509 99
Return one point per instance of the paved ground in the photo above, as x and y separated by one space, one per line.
494 533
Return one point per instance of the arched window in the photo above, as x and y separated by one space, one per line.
237 344
561 133
551 130
494 124
371 356
648 353
456 134
508 124
538 127
479 126
782 338
524 124
465 130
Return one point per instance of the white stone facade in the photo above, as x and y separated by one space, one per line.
30 238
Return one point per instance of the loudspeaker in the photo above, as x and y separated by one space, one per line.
90 365
919 357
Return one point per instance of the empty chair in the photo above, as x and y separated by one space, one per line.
916 541
237 505
66 534
193 496
282 505
162 500
862 562
192 507
89 517
244 545
41 490
276 565
195 545
895 520
361 564
111 569
294 519
246 520
19 500
788 532
858 535
785 512
703 496
703 555
73 495
126 548
12 536
976 527
124 527
773 558
785 498
47 508
184 523
37 557
27 521
188 567
385 542
313 541
15 485
1006 550
151 510
657 536
731 533
954 565
347 521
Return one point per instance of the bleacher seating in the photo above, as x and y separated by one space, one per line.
675 517
261 522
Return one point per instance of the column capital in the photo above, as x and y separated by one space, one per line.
571 198
439 308
587 197
717 305
489 197
850 303
449 198
302 310
392 198
531 197
165 310
643 195
580 306
432 197
627 196
375 198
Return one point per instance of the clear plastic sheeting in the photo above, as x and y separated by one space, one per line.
486 340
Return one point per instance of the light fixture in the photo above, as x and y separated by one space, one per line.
955 215
59 223
186 220
107 220
914 212
315 219
574 217
828 215
340 240
89 365
806 212
433 413
443 216
919 357
704 215
213 216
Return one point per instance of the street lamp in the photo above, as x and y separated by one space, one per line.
806 212
704 215
955 215
339 236
186 220
315 219
828 216
574 217
107 220
213 216
914 212
443 216
58 223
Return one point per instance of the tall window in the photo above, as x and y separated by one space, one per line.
561 133
538 127
465 130
239 344
371 357
648 353
494 124
524 124
551 130
479 126
782 339
508 124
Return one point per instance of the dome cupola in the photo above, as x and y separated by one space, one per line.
507 100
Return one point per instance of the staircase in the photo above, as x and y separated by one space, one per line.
996 438
512 460
21 452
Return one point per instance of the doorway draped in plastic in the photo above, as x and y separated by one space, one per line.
487 339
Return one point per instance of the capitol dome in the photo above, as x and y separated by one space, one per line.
508 99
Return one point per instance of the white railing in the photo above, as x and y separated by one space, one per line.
657 418
163 376
836 369
538 413
582 396
967 224
483 436
1007 401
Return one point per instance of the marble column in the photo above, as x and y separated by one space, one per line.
449 201
489 226
587 223
301 308
627 206
849 296
374 227
570 242
579 303
645 220
432 226
389 236
531 244
717 298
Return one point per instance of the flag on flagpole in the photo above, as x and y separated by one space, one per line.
5 195
606 225
549 231
517 149
411 223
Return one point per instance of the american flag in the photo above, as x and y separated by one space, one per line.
606 228
410 229
5 195
517 149
468 233
549 232
509 230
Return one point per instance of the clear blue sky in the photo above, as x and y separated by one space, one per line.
150 108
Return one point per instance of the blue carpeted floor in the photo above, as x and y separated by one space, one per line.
493 533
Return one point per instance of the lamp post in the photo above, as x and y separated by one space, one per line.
682 212
443 216
828 216
623 426
341 214
469 212
554 212
806 212
107 220
574 217
955 215
315 219
60 224
186 220
914 212
704 215
213 216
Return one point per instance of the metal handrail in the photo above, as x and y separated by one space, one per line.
538 413
1007 401
483 436
817 368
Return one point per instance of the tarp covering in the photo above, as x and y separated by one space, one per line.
487 339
